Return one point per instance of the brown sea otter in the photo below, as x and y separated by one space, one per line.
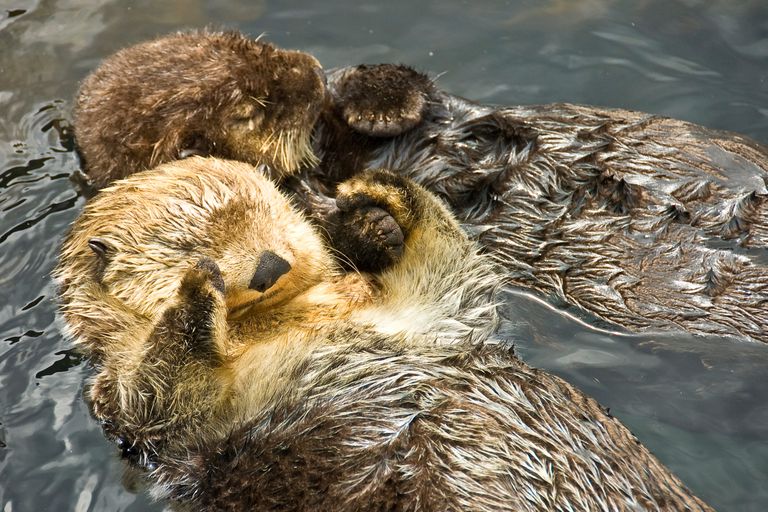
248 372
647 222
224 94
198 92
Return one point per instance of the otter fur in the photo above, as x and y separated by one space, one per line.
649 223
305 387
223 94
198 92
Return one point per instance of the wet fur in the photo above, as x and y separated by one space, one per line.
198 92
647 222
444 427
382 391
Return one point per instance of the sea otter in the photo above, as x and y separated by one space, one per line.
646 222
223 94
247 371
198 92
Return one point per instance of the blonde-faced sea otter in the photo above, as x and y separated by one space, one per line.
245 370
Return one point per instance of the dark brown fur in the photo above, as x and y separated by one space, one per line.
647 222
207 93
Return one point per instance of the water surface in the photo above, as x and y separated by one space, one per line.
698 404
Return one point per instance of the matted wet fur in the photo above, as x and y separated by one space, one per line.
324 390
647 222
198 92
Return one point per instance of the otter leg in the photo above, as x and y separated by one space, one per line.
198 319
168 389
384 100
440 280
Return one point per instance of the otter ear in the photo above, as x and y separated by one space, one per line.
99 246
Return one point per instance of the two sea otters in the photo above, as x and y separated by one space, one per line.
647 222
592 207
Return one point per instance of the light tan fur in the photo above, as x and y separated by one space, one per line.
225 211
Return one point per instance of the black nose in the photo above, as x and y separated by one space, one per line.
268 271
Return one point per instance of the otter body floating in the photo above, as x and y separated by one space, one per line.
647 222
324 390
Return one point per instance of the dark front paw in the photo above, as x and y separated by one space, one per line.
385 189
201 278
383 100
376 212
213 273
368 237
87 188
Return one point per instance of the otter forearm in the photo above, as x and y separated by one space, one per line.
438 283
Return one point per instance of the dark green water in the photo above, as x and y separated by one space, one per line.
699 404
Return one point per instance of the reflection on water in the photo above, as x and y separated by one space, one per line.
699 404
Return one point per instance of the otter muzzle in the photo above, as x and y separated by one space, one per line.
268 271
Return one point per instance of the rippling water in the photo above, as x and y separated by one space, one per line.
699 404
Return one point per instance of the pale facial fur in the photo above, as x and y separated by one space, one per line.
154 227
156 242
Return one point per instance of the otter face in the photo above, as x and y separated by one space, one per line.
134 242
273 121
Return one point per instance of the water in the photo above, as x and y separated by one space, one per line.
699 404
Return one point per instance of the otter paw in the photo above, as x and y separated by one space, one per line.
204 274
368 237
383 100
385 189
375 212
84 184
381 229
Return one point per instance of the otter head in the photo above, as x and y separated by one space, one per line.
125 257
199 93
269 107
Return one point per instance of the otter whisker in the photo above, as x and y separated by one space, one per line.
260 101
